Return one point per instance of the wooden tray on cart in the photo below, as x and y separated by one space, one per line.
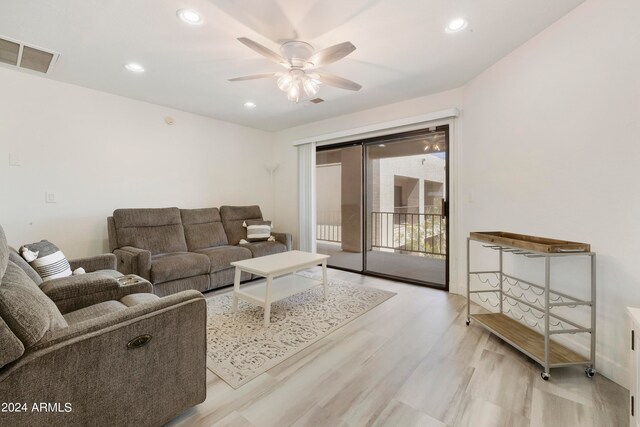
532 243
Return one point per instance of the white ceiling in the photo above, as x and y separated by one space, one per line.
402 49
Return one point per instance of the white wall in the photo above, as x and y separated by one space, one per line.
550 139
99 152
548 143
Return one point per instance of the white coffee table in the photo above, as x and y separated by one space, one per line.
280 282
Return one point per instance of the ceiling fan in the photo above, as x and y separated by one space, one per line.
301 61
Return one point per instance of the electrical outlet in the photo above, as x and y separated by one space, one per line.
49 197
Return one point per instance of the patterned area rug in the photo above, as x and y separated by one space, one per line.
240 348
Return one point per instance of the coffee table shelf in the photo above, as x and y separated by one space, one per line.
283 287
280 278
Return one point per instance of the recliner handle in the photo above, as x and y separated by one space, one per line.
139 341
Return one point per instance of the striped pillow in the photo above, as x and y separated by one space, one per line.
258 231
46 259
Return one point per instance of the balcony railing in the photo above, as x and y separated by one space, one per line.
329 226
423 233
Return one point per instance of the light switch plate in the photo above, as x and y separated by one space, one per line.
49 197
14 160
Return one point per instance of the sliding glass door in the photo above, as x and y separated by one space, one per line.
382 206
406 191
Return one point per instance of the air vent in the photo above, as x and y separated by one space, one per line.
316 100
21 55
9 52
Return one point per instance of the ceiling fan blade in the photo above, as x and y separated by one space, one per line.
253 77
265 17
335 81
267 53
331 54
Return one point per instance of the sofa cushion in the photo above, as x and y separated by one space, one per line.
49 261
167 267
227 277
26 309
265 248
222 256
234 216
93 311
17 259
203 228
156 230
11 347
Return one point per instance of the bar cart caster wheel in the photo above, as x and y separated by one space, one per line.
590 372
468 321
545 376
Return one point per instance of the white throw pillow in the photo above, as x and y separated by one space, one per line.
258 231
46 259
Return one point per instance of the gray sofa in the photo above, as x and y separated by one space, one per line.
180 249
90 348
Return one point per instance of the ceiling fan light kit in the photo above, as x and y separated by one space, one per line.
301 60
294 80
284 82
311 86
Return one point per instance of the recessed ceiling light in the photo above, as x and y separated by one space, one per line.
456 25
136 68
381 145
250 105
189 16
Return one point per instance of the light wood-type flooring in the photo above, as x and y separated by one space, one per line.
411 361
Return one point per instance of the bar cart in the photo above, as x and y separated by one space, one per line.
510 292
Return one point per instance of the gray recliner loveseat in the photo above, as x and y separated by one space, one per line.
88 350
180 249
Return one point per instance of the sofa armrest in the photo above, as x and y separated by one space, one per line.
95 263
132 260
98 370
76 292
284 238
119 317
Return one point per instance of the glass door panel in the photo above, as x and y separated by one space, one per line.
406 210
339 206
